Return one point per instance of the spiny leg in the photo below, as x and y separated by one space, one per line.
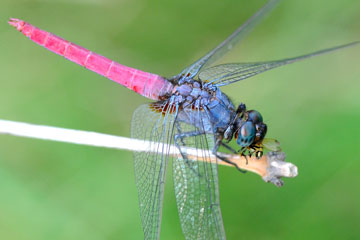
229 132
242 154
241 109
228 147
218 142
180 137
179 133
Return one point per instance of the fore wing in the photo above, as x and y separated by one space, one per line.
154 123
225 74
228 43
196 184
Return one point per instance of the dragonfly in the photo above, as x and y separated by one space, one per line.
189 110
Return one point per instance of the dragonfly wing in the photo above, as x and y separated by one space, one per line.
228 43
196 186
152 122
225 74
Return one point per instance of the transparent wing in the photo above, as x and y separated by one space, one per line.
225 74
152 122
230 42
196 184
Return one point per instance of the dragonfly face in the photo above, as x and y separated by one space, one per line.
251 130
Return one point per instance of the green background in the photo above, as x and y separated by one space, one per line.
51 190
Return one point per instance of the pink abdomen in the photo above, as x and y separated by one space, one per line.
146 84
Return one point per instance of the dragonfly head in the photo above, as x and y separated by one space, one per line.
251 131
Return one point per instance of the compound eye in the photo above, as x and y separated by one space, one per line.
254 116
246 134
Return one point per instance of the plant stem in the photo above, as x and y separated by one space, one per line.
271 167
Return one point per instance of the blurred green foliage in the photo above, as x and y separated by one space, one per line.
51 190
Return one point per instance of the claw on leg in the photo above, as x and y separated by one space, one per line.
230 162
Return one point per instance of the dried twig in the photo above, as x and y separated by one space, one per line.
271 167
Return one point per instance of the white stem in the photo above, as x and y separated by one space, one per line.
85 138
74 136
271 166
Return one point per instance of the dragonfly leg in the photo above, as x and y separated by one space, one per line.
229 132
242 153
179 141
181 136
215 149
228 147
241 109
